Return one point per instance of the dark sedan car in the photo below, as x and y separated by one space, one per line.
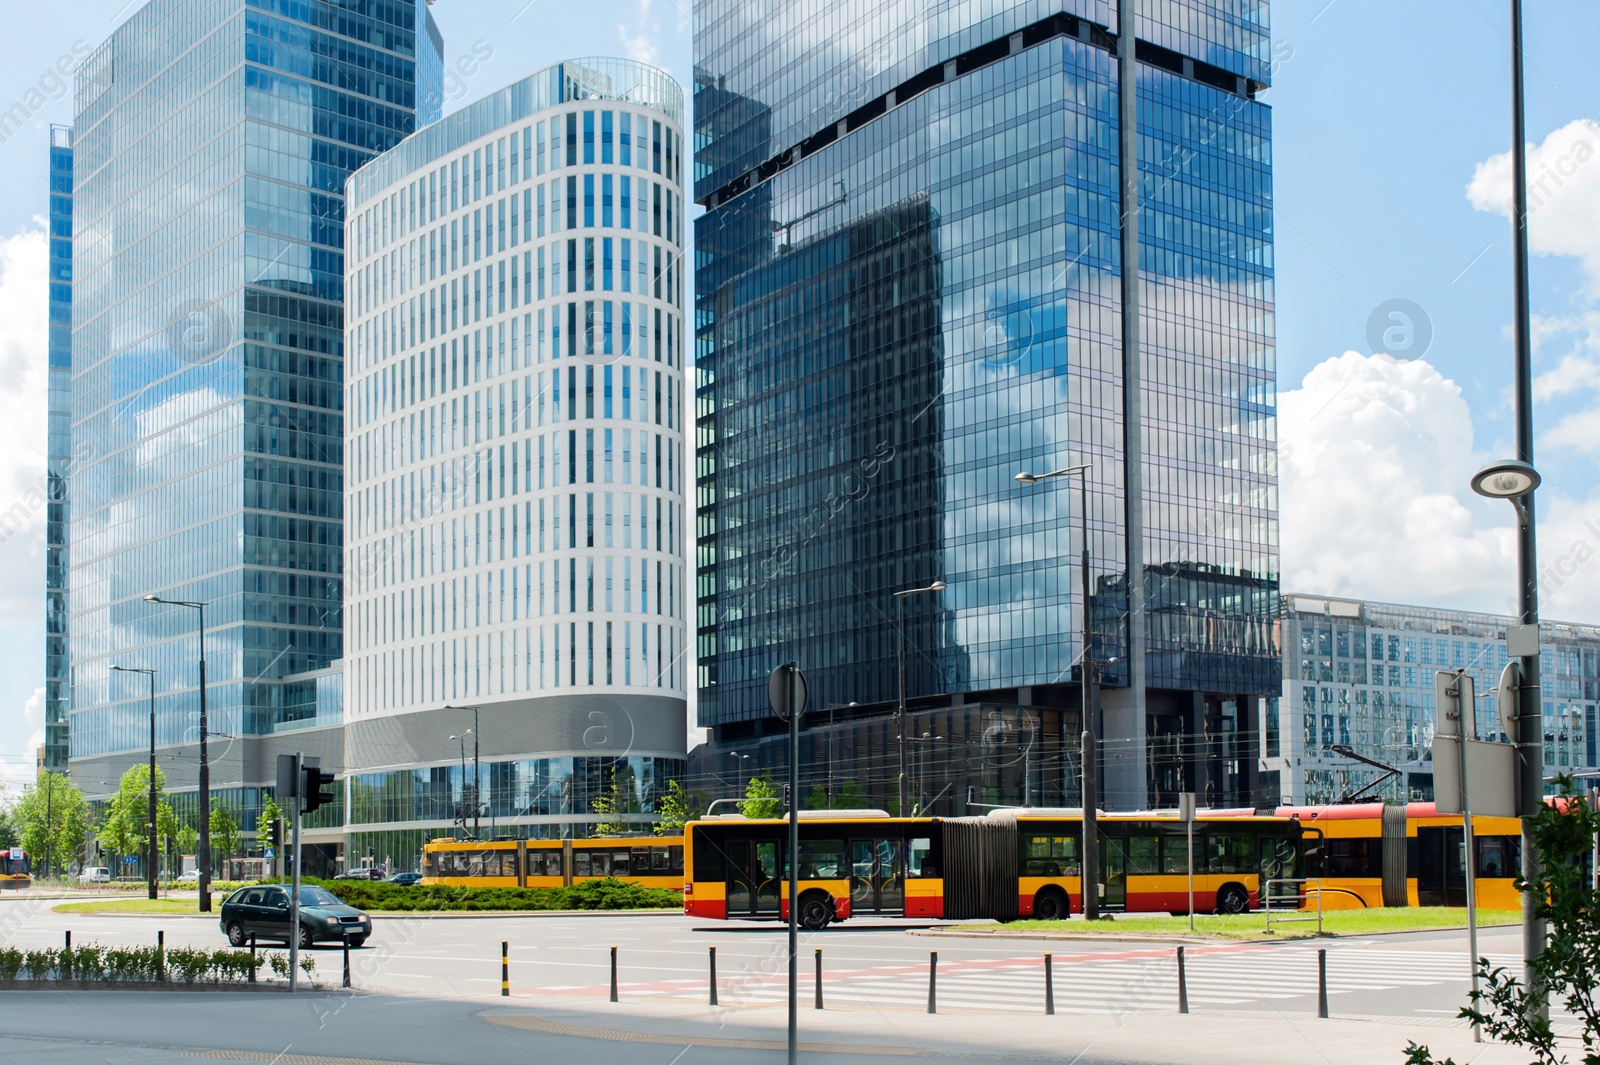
263 911
406 879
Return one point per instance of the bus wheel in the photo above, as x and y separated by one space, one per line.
816 911
1051 905
1232 898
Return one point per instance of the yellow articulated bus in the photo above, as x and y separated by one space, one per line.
15 873
655 861
1372 854
1007 864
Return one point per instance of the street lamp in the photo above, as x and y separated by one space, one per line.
155 853
477 779
1089 752
205 762
462 739
900 665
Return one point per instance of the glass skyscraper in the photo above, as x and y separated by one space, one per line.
515 491
212 143
57 680
907 292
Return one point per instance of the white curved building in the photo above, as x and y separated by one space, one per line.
514 402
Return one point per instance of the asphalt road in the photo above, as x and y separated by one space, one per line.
428 994
877 965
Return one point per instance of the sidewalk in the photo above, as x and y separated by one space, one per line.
1233 1038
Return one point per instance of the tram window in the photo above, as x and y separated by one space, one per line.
582 863
1050 856
821 859
1353 858
1499 856
920 860
621 862
544 863
1143 855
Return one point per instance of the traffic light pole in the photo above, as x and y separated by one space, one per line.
294 890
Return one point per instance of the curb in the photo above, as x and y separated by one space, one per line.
1089 937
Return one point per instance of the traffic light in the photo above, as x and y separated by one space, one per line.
311 792
277 832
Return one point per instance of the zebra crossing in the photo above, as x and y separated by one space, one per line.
1126 981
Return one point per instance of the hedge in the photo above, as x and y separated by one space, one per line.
608 894
91 963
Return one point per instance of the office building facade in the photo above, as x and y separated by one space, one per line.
57 679
1360 675
908 292
212 141
516 627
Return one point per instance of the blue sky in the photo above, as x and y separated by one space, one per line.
1384 113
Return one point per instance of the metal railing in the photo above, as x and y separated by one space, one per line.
1300 898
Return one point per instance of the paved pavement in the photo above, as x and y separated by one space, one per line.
431 984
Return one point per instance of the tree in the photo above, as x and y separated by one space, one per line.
1569 966
618 799
762 798
677 808
10 835
225 835
818 799
168 831
53 820
124 825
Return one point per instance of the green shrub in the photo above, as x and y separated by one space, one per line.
10 963
607 894
41 964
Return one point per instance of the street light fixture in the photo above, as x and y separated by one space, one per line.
1089 755
477 776
900 669
205 761
155 853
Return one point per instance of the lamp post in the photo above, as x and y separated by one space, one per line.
205 762
1090 772
900 669
477 777
155 853
462 740
1515 480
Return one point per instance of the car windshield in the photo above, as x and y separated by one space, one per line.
315 896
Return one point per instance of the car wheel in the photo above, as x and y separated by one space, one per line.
1051 905
306 938
1232 898
816 912
357 942
236 934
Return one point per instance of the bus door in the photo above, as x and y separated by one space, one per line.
877 876
1114 871
752 878
1441 866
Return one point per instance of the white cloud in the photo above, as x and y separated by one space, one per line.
1374 466
642 43
21 736
1563 193
24 379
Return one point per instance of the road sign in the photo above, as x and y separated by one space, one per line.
269 854
1186 806
1490 767
786 694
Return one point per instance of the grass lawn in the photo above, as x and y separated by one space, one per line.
157 906
1252 925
